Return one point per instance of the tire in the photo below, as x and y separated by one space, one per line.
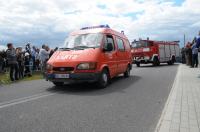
58 83
127 72
138 64
173 60
156 62
103 79
169 62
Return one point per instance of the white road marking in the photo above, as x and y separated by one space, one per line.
24 99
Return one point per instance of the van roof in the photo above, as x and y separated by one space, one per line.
99 30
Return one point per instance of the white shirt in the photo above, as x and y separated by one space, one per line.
44 55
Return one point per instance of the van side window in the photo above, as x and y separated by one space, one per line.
109 39
120 44
127 45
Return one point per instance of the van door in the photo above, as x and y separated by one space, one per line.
110 57
121 56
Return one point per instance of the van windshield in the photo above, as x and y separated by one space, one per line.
140 44
83 41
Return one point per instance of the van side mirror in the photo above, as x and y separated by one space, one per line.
108 47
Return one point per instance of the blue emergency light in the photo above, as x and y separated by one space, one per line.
93 27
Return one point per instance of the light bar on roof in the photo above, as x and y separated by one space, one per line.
93 27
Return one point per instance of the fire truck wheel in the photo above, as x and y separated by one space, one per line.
173 60
127 72
169 63
138 64
156 62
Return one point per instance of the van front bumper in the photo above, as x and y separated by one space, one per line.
74 77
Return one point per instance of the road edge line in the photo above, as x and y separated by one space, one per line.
24 100
167 102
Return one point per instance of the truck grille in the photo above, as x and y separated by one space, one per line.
63 69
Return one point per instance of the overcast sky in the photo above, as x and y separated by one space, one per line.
50 21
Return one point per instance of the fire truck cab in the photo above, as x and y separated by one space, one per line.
155 52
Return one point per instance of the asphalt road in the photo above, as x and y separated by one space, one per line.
127 105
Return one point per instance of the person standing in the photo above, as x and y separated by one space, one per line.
194 54
28 48
190 54
12 62
1 62
37 59
187 50
27 64
198 45
33 55
183 55
44 56
20 60
198 40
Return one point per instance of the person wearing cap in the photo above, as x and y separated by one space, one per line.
12 62
27 64
28 48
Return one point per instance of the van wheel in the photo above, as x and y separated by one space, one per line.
138 64
103 79
58 83
127 72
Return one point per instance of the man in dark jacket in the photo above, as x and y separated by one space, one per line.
12 62
198 40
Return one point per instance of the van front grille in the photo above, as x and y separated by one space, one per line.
63 69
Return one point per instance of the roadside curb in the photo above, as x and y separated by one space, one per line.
157 129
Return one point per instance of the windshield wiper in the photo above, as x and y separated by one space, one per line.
65 48
82 47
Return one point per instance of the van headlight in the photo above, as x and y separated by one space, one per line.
49 67
87 66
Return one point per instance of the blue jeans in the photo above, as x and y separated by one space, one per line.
14 72
195 61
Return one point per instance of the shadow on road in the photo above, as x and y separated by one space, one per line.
161 65
118 85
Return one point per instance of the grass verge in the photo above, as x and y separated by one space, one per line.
5 79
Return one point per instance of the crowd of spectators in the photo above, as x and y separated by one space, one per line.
23 61
190 52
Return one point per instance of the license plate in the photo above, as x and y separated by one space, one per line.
61 75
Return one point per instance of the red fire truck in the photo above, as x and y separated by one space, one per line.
155 52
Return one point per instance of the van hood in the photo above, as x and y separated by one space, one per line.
72 57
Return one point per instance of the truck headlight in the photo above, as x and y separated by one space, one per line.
49 67
87 66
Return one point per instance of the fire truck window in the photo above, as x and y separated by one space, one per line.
120 44
140 44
